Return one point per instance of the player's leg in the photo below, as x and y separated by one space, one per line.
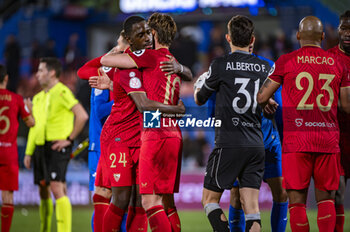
250 204
280 205
171 211
101 199
217 218
156 215
93 157
57 171
6 210
119 169
326 177
136 217
8 184
273 177
297 171
236 218
250 179
158 166
297 210
339 205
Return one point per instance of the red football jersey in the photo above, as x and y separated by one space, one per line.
343 118
159 87
124 123
311 79
11 107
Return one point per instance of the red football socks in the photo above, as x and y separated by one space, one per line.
174 219
298 218
113 219
137 221
6 217
158 219
100 206
326 216
340 218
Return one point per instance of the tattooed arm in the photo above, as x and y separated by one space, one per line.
265 93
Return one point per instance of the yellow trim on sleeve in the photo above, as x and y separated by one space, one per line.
274 81
133 60
136 92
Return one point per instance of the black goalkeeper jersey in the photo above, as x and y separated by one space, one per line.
236 78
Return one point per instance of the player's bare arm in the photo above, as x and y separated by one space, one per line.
172 66
345 99
29 121
266 91
80 118
143 103
118 60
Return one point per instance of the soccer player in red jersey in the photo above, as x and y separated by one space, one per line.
11 107
312 81
342 50
122 128
160 154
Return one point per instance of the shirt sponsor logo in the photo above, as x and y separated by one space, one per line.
237 122
300 122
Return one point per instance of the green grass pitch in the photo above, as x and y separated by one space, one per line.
27 219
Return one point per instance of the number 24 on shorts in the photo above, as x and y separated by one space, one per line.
122 160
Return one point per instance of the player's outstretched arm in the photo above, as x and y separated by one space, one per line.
345 99
143 104
173 67
118 60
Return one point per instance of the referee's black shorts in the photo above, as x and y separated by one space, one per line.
50 165
225 165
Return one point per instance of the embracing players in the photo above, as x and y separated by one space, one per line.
312 81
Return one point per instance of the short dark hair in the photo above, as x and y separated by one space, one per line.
165 27
3 73
127 25
240 29
346 14
52 63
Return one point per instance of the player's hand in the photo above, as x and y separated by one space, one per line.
171 66
270 107
100 82
27 160
60 145
28 103
181 107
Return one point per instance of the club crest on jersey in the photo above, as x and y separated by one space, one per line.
139 52
116 176
135 83
151 119
106 69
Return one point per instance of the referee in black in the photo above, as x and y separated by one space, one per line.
239 148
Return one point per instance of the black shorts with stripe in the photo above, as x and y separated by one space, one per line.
50 165
227 164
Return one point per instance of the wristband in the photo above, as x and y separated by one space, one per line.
182 68
71 140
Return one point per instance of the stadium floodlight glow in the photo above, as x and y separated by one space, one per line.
230 3
139 6
132 6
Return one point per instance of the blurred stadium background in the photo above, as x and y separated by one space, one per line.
77 30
